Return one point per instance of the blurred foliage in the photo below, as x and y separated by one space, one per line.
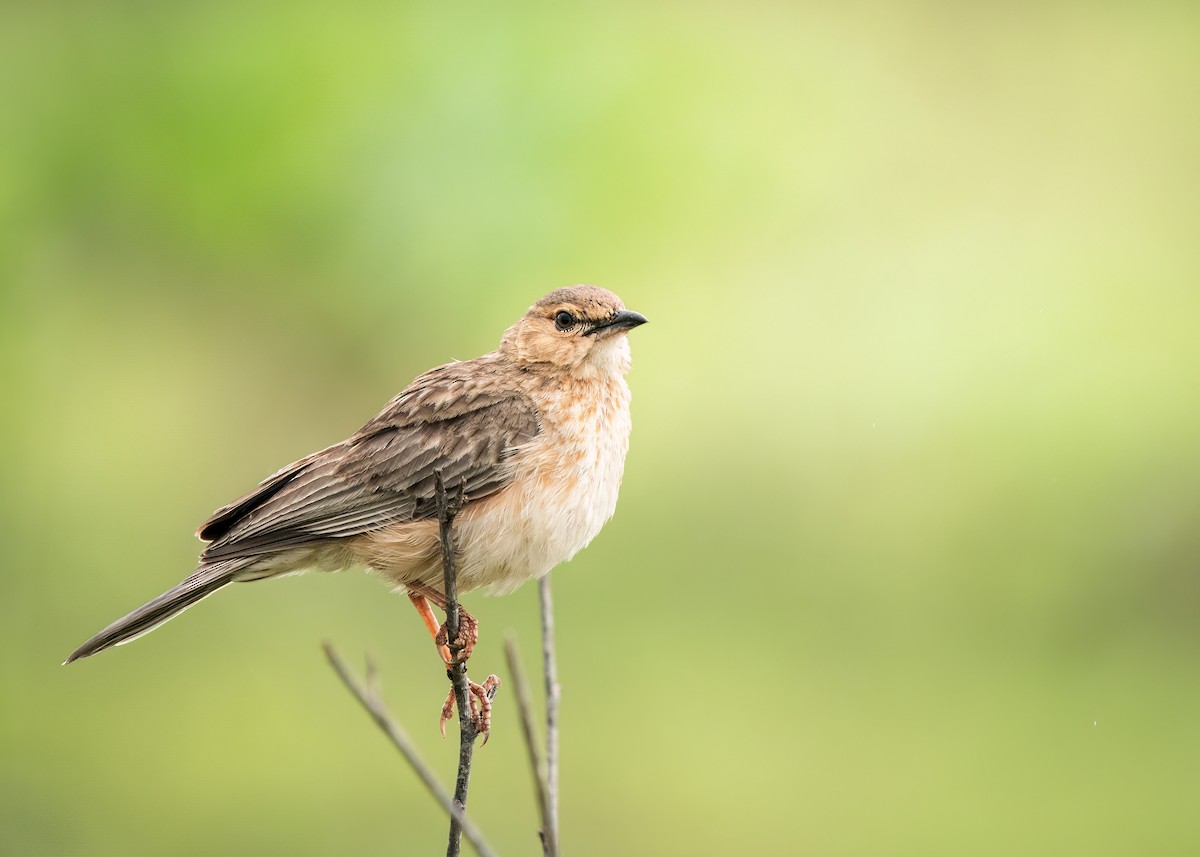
906 557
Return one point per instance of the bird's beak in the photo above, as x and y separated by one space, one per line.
626 319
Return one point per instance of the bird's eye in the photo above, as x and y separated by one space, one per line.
564 320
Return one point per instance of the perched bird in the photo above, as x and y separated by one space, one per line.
533 434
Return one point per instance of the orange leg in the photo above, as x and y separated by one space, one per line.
431 624
468 627
428 593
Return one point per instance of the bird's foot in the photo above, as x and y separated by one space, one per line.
459 649
480 696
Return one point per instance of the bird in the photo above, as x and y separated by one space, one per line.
532 437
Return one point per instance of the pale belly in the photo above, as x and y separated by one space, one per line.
540 520
565 492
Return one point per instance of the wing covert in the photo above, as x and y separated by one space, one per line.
384 474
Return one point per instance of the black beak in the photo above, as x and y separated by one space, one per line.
626 319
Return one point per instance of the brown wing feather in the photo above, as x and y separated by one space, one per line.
455 419
221 521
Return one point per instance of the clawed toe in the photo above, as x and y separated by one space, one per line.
480 697
447 711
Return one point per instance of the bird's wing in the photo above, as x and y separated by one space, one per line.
447 422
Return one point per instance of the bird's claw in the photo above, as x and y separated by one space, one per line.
458 650
480 696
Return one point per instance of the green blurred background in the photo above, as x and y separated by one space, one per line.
905 560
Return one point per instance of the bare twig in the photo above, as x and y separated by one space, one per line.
369 698
553 695
447 508
549 832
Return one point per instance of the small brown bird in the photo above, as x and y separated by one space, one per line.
535 433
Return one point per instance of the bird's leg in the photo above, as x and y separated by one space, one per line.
481 706
468 635
431 624
468 626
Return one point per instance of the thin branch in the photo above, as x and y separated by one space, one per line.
553 696
369 698
549 830
447 507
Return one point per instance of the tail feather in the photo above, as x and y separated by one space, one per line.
204 582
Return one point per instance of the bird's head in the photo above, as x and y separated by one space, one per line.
581 329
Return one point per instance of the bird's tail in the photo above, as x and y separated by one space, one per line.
204 582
